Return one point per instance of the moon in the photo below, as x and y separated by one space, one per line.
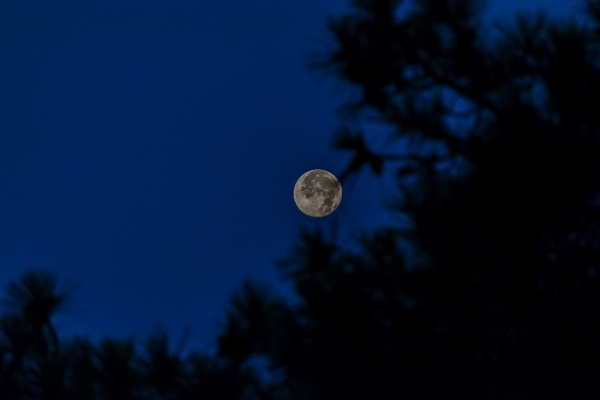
318 193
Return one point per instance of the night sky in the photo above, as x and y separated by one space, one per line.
149 150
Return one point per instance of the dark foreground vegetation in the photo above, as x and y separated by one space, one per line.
490 290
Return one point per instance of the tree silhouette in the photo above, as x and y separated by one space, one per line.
499 297
36 365
30 342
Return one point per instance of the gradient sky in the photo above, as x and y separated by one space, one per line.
149 149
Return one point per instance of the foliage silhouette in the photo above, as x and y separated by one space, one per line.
36 365
500 181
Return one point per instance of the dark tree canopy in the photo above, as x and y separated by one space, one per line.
492 289
500 181
36 365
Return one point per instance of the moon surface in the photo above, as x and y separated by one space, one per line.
318 193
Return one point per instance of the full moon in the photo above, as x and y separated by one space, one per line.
318 193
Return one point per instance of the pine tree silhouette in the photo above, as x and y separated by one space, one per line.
499 296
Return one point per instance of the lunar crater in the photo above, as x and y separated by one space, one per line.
318 193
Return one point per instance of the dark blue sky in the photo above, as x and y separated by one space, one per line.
149 149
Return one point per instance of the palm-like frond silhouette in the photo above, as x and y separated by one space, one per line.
36 298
